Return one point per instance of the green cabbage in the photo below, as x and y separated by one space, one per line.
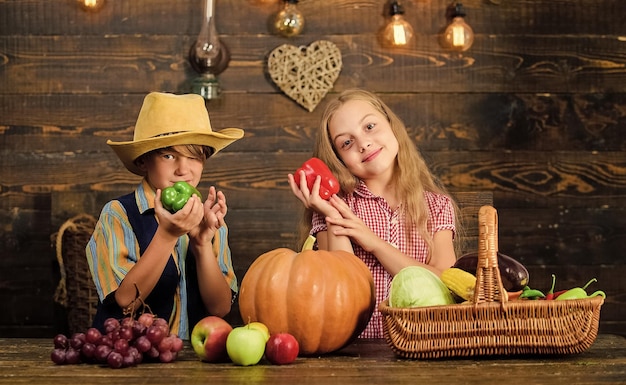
416 286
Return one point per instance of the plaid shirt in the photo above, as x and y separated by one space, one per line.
388 224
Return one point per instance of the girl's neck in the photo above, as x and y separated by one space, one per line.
385 190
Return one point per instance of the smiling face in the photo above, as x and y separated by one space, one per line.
364 140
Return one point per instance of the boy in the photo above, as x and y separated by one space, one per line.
179 263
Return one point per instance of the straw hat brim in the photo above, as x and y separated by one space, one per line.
129 151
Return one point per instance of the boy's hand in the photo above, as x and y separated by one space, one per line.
181 222
214 211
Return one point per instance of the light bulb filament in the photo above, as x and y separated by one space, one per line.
458 36
91 5
399 35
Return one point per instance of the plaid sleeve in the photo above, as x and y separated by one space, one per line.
318 223
441 213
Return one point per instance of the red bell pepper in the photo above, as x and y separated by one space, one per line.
314 167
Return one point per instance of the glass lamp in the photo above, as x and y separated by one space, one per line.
208 56
398 32
458 35
289 21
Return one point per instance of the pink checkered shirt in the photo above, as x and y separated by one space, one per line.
388 225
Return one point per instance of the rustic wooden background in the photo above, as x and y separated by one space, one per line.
535 113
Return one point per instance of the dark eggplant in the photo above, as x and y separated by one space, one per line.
514 275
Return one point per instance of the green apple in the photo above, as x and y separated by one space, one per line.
261 327
245 345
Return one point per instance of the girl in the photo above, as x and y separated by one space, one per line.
391 213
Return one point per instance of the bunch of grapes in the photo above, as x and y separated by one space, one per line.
125 343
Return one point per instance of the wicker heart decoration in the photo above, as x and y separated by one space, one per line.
305 74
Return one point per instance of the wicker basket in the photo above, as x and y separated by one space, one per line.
491 324
76 290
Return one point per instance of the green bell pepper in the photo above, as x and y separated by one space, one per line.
579 292
175 197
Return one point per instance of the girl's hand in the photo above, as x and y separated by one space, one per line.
214 211
348 224
181 222
311 198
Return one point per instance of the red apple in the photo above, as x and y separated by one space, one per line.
208 339
281 349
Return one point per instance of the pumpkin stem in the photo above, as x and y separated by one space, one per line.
308 244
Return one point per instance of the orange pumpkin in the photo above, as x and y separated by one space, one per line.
323 298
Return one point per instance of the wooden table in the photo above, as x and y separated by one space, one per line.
27 361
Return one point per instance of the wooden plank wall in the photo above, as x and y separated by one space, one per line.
535 112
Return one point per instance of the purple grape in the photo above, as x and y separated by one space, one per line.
114 335
143 344
88 350
155 334
139 329
177 345
106 340
115 360
58 356
102 353
121 346
61 341
126 333
93 336
127 322
146 319
72 356
153 352
77 340
136 354
128 360
111 324
166 344
162 323
167 356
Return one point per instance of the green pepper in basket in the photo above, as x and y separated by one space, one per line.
175 197
579 292
529 293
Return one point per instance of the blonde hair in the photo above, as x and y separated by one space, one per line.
412 176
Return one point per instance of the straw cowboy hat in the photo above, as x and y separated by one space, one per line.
169 120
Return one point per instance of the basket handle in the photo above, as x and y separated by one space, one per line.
489 286
75 223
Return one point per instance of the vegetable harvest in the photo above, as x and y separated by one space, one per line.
175 197
314 167
323 298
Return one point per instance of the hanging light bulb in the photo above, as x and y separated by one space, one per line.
398 32
91 5
289 21
208 56
458 35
